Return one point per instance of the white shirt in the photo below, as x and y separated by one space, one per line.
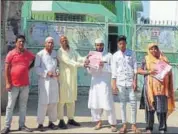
124 66
48 87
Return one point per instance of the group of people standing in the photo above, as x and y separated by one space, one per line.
57 85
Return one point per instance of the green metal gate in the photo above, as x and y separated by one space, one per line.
165 36
81 38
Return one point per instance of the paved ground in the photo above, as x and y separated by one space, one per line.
84 117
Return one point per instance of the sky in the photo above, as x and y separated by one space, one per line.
155 10
161 10
146 8
44 6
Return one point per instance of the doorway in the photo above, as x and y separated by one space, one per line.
112 41
112 38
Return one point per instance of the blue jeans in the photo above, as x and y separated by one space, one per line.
127 94
22 92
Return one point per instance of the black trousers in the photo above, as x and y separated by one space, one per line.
161 119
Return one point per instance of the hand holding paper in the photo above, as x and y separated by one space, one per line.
162 69
86 63
95 59
101 64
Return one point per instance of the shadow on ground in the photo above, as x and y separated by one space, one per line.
83 111
33 104
90 125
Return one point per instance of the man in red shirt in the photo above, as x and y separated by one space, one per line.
17 64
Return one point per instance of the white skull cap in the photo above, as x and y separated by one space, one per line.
49 38
99 40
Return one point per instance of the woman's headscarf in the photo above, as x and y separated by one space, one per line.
167 84
151 58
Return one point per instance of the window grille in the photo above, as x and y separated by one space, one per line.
70 17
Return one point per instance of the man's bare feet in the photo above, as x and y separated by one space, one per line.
123 129
113 128
98 125
148 131
135 129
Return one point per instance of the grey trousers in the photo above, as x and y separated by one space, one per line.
46 109
23 93
126 94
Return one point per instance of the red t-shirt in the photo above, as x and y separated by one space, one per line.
19 67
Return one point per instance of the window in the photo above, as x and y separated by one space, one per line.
70 17
113 29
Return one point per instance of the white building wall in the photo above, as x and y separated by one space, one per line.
42 5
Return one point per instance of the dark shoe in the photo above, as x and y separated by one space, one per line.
25 129
73 122
41 128
6 130
62 124
52 126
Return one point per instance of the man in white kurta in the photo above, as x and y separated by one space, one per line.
69 62
100 93
46 69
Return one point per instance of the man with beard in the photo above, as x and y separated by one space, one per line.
100 93
69 62
46 69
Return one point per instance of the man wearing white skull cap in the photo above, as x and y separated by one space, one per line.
99 40
46 69
100 93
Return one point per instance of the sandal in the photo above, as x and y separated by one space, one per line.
123 130
98 126
113 128
135 129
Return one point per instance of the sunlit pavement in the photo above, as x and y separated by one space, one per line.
84 117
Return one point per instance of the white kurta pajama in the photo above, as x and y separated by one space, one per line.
100 93
48 87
